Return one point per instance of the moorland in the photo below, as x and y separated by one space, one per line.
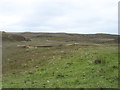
59 60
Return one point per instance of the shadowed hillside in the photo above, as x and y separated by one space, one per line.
13 37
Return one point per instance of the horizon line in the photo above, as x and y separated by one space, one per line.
60 32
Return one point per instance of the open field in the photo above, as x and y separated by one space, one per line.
60 60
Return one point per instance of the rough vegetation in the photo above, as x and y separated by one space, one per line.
73 61
13 37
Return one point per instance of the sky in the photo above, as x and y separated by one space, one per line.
68 16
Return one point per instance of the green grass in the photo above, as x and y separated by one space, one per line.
62 67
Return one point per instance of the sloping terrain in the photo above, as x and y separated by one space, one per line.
65 38
12 37
73 61
70 37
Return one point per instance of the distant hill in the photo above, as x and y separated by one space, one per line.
90 36
62 37
67 37
12 37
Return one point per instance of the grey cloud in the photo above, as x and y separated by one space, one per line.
62 16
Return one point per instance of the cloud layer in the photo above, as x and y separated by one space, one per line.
71 16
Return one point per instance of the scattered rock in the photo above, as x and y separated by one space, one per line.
36 67
48 81
30 72
26 46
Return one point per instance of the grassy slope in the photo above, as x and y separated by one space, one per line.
61 66
67 67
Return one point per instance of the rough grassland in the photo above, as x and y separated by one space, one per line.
75 66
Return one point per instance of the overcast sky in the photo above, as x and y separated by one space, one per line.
70 16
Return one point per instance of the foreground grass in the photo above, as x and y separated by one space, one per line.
68 67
